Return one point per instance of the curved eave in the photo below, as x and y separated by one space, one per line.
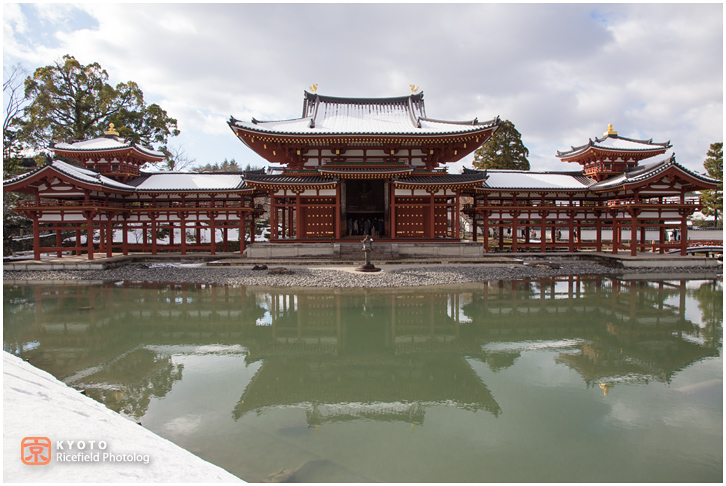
121 151
358 136
698 182
181 190
24 182
363 174
552 190
292 185
435 185
578 153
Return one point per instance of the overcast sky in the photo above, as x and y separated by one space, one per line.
560 72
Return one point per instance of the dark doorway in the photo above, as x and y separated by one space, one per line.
365 205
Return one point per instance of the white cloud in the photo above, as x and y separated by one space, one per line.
560 72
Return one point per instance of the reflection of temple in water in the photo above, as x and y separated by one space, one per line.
348 355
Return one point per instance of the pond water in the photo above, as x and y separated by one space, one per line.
584 379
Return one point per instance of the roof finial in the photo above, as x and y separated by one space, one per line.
610 130
314 88
414 88
111 130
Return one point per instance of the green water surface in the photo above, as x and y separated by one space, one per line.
584 379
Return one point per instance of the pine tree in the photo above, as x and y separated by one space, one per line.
69 101
504 150
713 200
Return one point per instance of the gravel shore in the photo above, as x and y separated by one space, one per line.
392 276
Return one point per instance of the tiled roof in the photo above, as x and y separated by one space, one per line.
614 142
375 170
331 115
109 143
289 179
647 171
189 181
445 179
516 179
78 173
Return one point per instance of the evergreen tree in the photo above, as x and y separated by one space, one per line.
226 166
504 150
69 101
713 200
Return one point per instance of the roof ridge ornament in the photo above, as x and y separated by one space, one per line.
610 131
313 88
111 131
413 87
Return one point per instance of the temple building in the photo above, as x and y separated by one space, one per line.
354 166
108 198
624 187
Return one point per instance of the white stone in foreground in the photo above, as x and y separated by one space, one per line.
35 404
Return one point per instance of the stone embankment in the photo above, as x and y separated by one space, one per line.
344 277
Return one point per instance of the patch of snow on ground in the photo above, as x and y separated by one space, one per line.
36 405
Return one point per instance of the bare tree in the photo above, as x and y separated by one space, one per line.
177 160
15 101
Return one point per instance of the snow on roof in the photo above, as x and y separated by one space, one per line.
328 115
513 179
193 181
105 143
87 175
612 141
647 171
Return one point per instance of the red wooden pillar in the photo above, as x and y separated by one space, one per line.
633 234
124 236
109 236
501 234
684 234
543 232
89 236
571 231
393 211
58 243
616 235
457 213
662 233
253 228
36 236
298 217
183 226
598 233
242 231
473 224
515 216
153 234
432 215
485 231
337 213
78 239
213 234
